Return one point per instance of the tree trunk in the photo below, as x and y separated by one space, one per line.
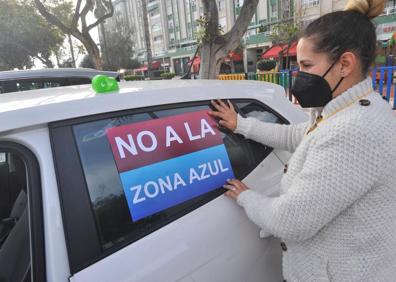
73 27
71 51
287 55
216 46
147 37
92 49
210 63
57 58
48 63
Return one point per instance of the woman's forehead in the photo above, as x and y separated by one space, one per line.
305 50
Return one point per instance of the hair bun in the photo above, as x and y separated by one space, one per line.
369 8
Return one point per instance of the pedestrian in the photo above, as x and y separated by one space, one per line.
336 213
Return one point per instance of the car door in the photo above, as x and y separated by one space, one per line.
190 236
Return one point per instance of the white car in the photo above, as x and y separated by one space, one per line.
126 186
23 80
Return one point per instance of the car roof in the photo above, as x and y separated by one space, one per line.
35 107
52 73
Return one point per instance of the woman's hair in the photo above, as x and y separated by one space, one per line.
348 30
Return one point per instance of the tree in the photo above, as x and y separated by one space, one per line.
25 36
76 25
214 45
286 32
119 48
87 62
147 37
266 65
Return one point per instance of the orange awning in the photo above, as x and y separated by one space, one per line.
272 52
235 56
154 66
292 50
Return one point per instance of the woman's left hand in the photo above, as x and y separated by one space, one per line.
235 187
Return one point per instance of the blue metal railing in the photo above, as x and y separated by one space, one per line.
382 78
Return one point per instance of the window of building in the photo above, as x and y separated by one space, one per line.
306 22
223 22
155 27
390 7
274 10
239 3
157 39
220 5
310 3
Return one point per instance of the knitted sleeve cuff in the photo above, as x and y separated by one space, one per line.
243 198
243 125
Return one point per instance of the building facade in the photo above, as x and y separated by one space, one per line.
173 25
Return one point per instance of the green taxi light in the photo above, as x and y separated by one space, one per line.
103 84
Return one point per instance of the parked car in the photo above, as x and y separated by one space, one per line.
22 80
126 186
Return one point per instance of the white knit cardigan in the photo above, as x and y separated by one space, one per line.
337 208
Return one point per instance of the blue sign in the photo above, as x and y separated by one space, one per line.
164 184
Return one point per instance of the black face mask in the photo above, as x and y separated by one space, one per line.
312 90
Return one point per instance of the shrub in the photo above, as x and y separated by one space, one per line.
133 77
168 75
265 65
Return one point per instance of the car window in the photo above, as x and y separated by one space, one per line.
8 86
256 111
14 228
116 221
79 80
40 83
3 158
24 85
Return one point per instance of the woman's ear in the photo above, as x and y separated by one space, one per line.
348 63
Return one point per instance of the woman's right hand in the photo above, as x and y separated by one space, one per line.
225 112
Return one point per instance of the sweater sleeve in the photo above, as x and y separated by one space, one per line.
337 172
279 136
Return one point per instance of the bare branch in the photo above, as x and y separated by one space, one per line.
104 17
52 18
88 6
76 14
44 61
241 25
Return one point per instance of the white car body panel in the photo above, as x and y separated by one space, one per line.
196 251
186 249
49 105
37 140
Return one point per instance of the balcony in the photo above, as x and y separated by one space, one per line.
152 6
257 38
389 11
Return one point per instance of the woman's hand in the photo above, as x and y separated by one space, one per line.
235 187
226 114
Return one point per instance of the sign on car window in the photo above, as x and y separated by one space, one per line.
145 169
167 161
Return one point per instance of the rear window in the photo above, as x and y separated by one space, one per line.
131 194
17 85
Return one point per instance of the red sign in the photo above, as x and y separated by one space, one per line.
143 143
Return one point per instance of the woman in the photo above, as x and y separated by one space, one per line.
336 214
